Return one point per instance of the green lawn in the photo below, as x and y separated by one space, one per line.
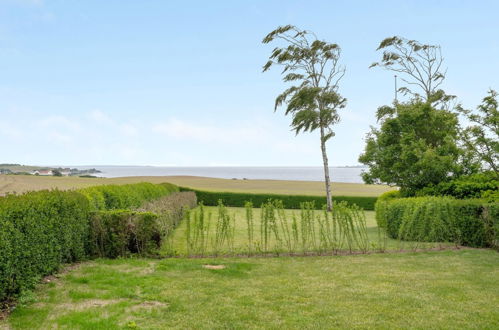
241 235
445 289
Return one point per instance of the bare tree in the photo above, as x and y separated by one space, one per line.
420 64
314 100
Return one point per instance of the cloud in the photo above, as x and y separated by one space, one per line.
99 117
179 129
96 137
129 130
60 138
59 122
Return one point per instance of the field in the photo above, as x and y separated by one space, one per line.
22 183
445 289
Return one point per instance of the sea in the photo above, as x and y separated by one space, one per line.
310 173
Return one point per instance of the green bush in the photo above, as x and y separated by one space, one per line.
440 219
389 195
211 198
109 197
471 186
118 233
39 231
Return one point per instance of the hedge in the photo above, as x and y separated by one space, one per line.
118 233
472 223
41 230
211 198
170 209
477 185
38 232
109 197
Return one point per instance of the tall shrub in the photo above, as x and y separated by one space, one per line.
39 231
440 219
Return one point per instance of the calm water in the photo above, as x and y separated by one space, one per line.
338 174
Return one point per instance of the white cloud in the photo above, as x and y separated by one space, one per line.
60 138
99 117
180 129
59 122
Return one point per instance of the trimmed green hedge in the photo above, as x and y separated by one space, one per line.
109 197
211 198
38 232
440 219
41 230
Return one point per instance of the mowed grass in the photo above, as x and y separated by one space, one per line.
23 183
445 289
241 244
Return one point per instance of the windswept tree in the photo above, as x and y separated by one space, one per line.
420 66
416 144
482 136
312 68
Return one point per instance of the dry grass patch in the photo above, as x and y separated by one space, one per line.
23 183
215 267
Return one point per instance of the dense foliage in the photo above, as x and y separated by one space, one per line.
118 233
471 186
170 210
414 147
211 198
107 197
41 230
38 232
440 219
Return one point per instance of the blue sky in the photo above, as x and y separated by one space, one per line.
180 83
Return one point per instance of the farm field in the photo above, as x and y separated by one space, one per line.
178 244
23 183
444 289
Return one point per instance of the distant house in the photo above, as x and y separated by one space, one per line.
45 172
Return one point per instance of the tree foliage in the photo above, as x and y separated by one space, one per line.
414 147
482 137
312 68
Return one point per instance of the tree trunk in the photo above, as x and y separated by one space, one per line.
326 172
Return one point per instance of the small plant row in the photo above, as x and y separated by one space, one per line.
277 232
236 199
41 230
469 222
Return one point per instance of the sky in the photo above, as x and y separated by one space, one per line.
179 83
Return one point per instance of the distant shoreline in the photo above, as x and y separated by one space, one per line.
294 173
